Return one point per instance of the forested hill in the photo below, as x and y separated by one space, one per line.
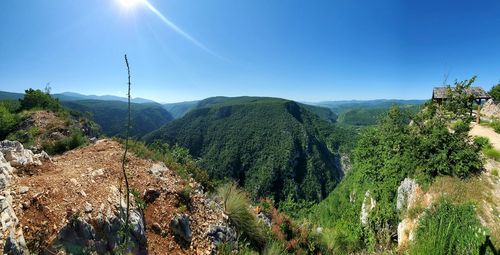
112 116
272 147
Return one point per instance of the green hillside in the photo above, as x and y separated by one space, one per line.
272 147
112 116
178 110
10 96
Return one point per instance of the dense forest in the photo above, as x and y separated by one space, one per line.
112 116
272 147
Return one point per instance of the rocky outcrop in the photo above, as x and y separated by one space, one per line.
406 199
15 153
104 233
406 194
491 109
368 205
179 225
221 234
11 233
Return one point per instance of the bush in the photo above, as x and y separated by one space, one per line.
495 92
446 228
38 99
8 121
461 126
76 140
482 142
237 207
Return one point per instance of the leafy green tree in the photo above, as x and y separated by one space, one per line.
495 92
8 121
38 99
459 99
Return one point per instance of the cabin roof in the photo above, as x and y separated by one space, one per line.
478 92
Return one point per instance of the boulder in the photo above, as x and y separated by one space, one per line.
181 229
16 155
10 228
368 205
221 234
158 169
491 109
104 232
406 194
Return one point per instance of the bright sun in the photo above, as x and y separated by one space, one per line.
130 4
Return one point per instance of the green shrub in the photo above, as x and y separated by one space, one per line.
446 228
237 207
38 99
76 140
8 121
461 126
495 92
482 142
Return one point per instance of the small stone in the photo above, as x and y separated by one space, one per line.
26 205
81 192
74 181
23 189
156 228
87 207
98 172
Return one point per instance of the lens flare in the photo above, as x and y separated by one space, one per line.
131 4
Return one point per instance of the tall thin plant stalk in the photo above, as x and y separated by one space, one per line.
126 148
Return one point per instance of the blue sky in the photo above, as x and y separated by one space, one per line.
296 49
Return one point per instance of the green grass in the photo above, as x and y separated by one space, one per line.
492 153
236 206
447 228
494 172
495 124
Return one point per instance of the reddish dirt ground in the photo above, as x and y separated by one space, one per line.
61 187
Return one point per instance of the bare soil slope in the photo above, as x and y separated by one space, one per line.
79 178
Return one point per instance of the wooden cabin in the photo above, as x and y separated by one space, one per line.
439 94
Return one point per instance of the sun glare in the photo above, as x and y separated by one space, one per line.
130 4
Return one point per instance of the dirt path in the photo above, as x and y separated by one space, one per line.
478 130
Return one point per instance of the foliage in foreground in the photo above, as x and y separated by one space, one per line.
383 157
447 228
236 206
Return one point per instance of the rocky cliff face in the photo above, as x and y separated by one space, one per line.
491 109
75 203
13 154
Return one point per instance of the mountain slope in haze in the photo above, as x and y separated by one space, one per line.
71 96
178 110
112 116
339 106
10 95
270 146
